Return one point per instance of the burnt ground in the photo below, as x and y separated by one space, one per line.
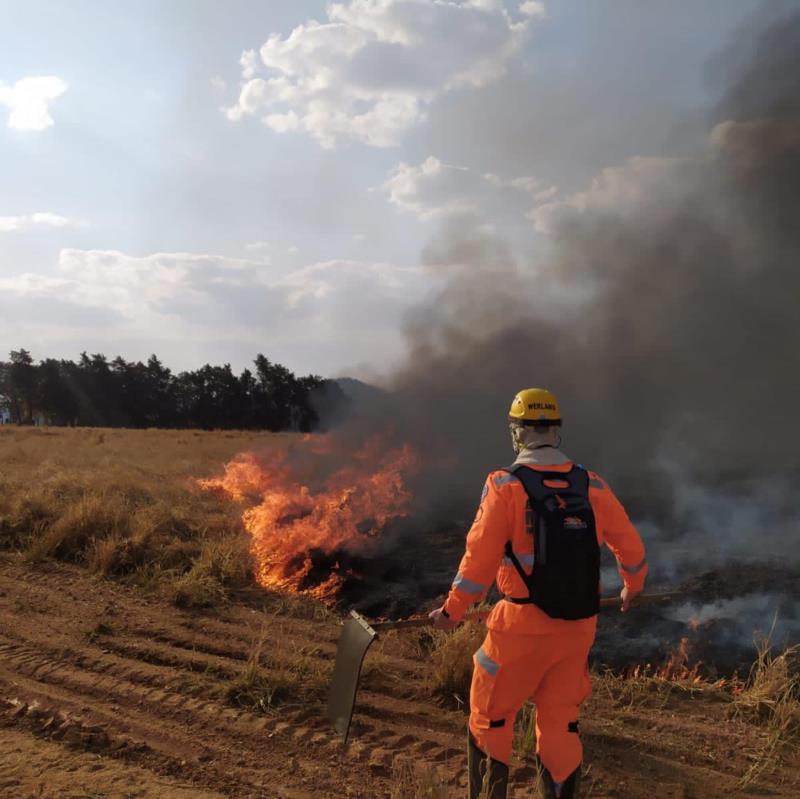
108 692
720 612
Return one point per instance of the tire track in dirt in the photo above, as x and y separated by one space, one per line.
168 732
35 672
27 772
125 685
89 666
150 693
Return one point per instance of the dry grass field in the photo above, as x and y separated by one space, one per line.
139 659
125 504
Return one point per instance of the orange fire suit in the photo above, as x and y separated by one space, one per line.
527 654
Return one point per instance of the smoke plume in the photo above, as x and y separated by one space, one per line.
661 307
663 312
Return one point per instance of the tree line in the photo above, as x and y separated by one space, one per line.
96 392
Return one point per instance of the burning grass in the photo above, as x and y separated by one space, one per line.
185 513
655 686
126 505
305 506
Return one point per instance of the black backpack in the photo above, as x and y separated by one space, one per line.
565 582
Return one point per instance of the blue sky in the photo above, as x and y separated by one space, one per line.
161 192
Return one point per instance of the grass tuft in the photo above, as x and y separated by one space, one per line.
197 589
525 732
22 515
100 629
771 698
69 536
451 664
255 689
222 566
413 780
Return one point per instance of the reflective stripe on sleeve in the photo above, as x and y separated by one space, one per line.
470 586
596 483
633 569
503 479
525 560
486 663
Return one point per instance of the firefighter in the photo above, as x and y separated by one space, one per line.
537 534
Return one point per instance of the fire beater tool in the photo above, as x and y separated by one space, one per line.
358 634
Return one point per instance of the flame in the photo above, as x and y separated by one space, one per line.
677 665
299 521
675 668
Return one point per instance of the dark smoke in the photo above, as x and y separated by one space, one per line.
665 315
667 322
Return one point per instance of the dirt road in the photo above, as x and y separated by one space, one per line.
105 692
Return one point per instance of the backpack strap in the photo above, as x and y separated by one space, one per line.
526 578
533 481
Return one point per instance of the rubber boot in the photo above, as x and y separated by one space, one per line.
488 779
570 788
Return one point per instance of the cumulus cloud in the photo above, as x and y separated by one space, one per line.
434 190
372 69
341 277
191 286
249 64
37 302
9 224
533 8
28 101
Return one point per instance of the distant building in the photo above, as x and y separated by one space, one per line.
5 416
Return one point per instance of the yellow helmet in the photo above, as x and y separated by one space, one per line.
535 406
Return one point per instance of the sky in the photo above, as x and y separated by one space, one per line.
209 180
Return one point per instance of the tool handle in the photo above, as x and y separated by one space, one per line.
424 621
643 599
606 603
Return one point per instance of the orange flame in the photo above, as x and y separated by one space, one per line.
291 521
677 665
676 668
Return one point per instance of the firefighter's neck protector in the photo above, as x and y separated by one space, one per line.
529 438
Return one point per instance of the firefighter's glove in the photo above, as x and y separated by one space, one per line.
441 621
628 598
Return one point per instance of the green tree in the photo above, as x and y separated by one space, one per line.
20 386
